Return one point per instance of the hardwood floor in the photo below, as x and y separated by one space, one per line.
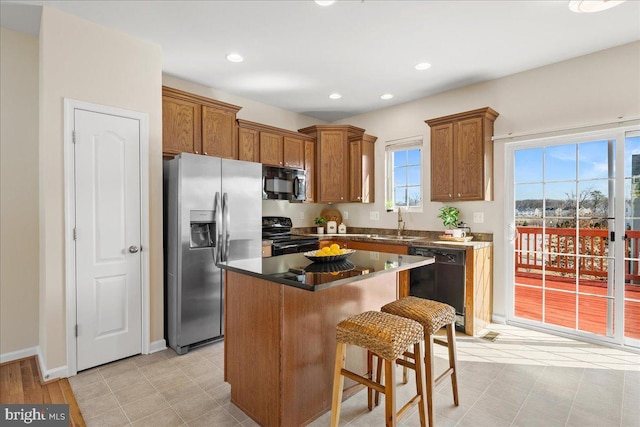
20 383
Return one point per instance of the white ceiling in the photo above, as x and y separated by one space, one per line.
297 53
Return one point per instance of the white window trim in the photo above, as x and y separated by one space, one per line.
399 145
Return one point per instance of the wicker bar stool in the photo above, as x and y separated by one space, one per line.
432 315
388 337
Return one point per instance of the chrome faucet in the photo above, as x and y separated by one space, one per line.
400 222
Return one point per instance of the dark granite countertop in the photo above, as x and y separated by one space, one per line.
298 271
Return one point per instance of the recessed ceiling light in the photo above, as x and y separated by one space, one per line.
335 96
422 66
589 6
235 57
325 2
386 96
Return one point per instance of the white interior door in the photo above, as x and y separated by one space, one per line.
108 236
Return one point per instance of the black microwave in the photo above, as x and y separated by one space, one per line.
283 184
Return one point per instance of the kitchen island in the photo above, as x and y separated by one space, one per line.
280 319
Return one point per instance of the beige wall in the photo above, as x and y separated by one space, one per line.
587 90
18 191
92 63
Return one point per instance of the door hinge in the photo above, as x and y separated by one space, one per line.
73 136
76 330
75 233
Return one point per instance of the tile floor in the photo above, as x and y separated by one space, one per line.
523 378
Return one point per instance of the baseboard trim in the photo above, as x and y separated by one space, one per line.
51 374
156 346
18 354
499 319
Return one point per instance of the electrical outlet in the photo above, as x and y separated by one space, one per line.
478 217
345 214
374 256
374 215
301 215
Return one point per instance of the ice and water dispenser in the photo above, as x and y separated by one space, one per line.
203 229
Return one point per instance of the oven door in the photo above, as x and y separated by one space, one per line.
292 247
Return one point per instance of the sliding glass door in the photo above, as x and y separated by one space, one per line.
575 252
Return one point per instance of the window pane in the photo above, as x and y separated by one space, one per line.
632 157
415 197
400 196
592 160
414 156
593 200
528 165
400 158
399 177
560 163
413 173
560 200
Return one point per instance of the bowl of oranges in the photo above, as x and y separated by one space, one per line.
329 254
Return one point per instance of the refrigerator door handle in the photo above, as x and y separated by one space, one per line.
218 245
227 225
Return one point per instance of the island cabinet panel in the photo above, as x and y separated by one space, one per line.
462 156
180 126
310 170
252 346
248 145
219 133
280 344
271 149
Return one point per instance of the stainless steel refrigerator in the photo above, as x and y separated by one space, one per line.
213 212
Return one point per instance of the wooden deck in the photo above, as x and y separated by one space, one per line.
560 307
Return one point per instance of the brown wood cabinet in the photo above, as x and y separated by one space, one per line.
198 125
248 145
271 146
362 169
462 156
310 170
332 160
271 149
181 125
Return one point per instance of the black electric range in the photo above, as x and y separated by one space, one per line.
278 229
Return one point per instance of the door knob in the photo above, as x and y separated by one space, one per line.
133 249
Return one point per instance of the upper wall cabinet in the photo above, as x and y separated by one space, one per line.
199 125
462 156
362 169
181 124
333 161
270 145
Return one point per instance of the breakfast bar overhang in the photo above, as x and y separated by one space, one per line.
280 318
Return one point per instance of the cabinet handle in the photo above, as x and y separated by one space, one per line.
197 152
280 162
450 195
458 194
205 153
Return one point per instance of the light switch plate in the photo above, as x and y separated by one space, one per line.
375 215
345 214
478 217
374 256
301 215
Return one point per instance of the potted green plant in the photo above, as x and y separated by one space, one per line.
449 216
320 222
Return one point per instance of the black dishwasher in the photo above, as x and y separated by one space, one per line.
443 280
